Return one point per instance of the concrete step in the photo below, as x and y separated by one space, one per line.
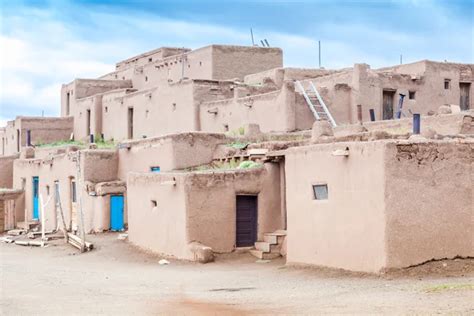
272 239
264 255
267 247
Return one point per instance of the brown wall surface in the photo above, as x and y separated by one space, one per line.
429 202
168 152
95 166
6 171
160 228
211 204
347 230
44 130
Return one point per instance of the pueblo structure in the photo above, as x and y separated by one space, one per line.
200 152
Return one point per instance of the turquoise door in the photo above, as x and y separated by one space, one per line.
116 212
35 197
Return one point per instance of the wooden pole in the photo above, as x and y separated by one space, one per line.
79 188
61 214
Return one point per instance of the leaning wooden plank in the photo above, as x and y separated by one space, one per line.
29 243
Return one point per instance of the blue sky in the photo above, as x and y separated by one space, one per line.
46 43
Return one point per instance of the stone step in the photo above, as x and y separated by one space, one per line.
267 247
27 226
264 255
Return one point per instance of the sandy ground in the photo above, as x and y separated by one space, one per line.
118 279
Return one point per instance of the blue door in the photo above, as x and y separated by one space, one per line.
35 197
116 212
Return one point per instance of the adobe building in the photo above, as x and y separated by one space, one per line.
43 130
201 152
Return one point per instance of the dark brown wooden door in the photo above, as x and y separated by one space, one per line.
246 232
464 87
387 105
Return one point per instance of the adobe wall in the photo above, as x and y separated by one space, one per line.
147 57
6 171
273 111
82 88
343 91
43 130
230 62
448 124
348 229
429 201
279 75
160 228
211 204
96 166
168 152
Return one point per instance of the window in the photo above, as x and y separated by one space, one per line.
146 78
47 190
411 95
153 203
155 169
320 191
106 109
150 60
447 84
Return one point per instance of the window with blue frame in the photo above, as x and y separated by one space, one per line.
155 169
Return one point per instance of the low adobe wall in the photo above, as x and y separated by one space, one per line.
175 151
273 111
448 124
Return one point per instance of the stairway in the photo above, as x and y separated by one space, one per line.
316 103
270 247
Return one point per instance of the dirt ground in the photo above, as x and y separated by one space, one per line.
116 278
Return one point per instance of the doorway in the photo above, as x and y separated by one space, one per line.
387 104
73 214
246 220
35 198
464 101
116 212
88 122
130 123
18 136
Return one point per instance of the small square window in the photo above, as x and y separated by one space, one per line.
154 203
411 95
320 191
155 169
150 60
447 84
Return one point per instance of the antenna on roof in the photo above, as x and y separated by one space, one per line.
251 35
266 42
319 54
